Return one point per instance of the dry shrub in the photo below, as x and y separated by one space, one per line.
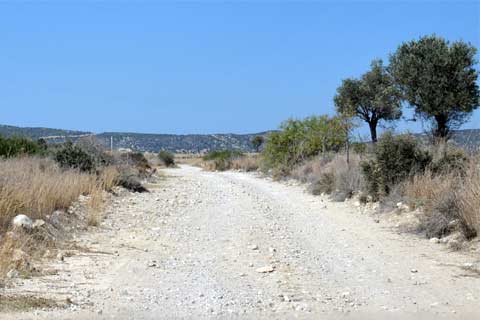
107 179
435 194
246 163
450 201
468 197
13 252
192 159
37 187
423 190
331 175
311 169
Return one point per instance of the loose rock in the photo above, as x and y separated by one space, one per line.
22 222
266 269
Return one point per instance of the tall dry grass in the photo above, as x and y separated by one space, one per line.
246 163
468 197
106 180
331 174
446 198
37 187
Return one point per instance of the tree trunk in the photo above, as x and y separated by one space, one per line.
347 149
442 130
373 130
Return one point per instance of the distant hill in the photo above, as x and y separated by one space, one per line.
142 141
468 138
37 133
179 143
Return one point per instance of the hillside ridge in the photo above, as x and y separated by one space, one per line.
183 143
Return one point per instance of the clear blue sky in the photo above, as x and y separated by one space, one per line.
200 67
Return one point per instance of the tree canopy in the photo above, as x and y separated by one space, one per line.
372 98
298 140
257 142
438 79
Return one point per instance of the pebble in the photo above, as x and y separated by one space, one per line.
266 269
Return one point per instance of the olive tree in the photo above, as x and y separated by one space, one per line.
438 79
257 142
372 98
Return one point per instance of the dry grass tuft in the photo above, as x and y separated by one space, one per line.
246 163
37 187
468 197
450 201
331 175
25 302
107 179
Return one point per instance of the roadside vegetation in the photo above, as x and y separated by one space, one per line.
441 182
166 158
220 160
40 186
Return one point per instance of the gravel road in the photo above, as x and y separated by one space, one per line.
206 245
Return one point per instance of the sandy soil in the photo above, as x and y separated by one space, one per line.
228 245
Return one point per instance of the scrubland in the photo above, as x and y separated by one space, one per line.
52 188
439 181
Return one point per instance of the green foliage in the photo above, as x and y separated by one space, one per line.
138 161
167 158
301 139
222 158
359 148
372 98
257 142
450 160
15 146
395 159
71 156
438 79
96 150
130 179
42 143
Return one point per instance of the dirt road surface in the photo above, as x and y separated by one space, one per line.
206 245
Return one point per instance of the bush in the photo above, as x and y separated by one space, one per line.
359 148
246 163
166 158
138 161
331 175
325 183
96 150
15 146
395 159
220 159
449 159
71 156
299 140
449 201
468 198
129 179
